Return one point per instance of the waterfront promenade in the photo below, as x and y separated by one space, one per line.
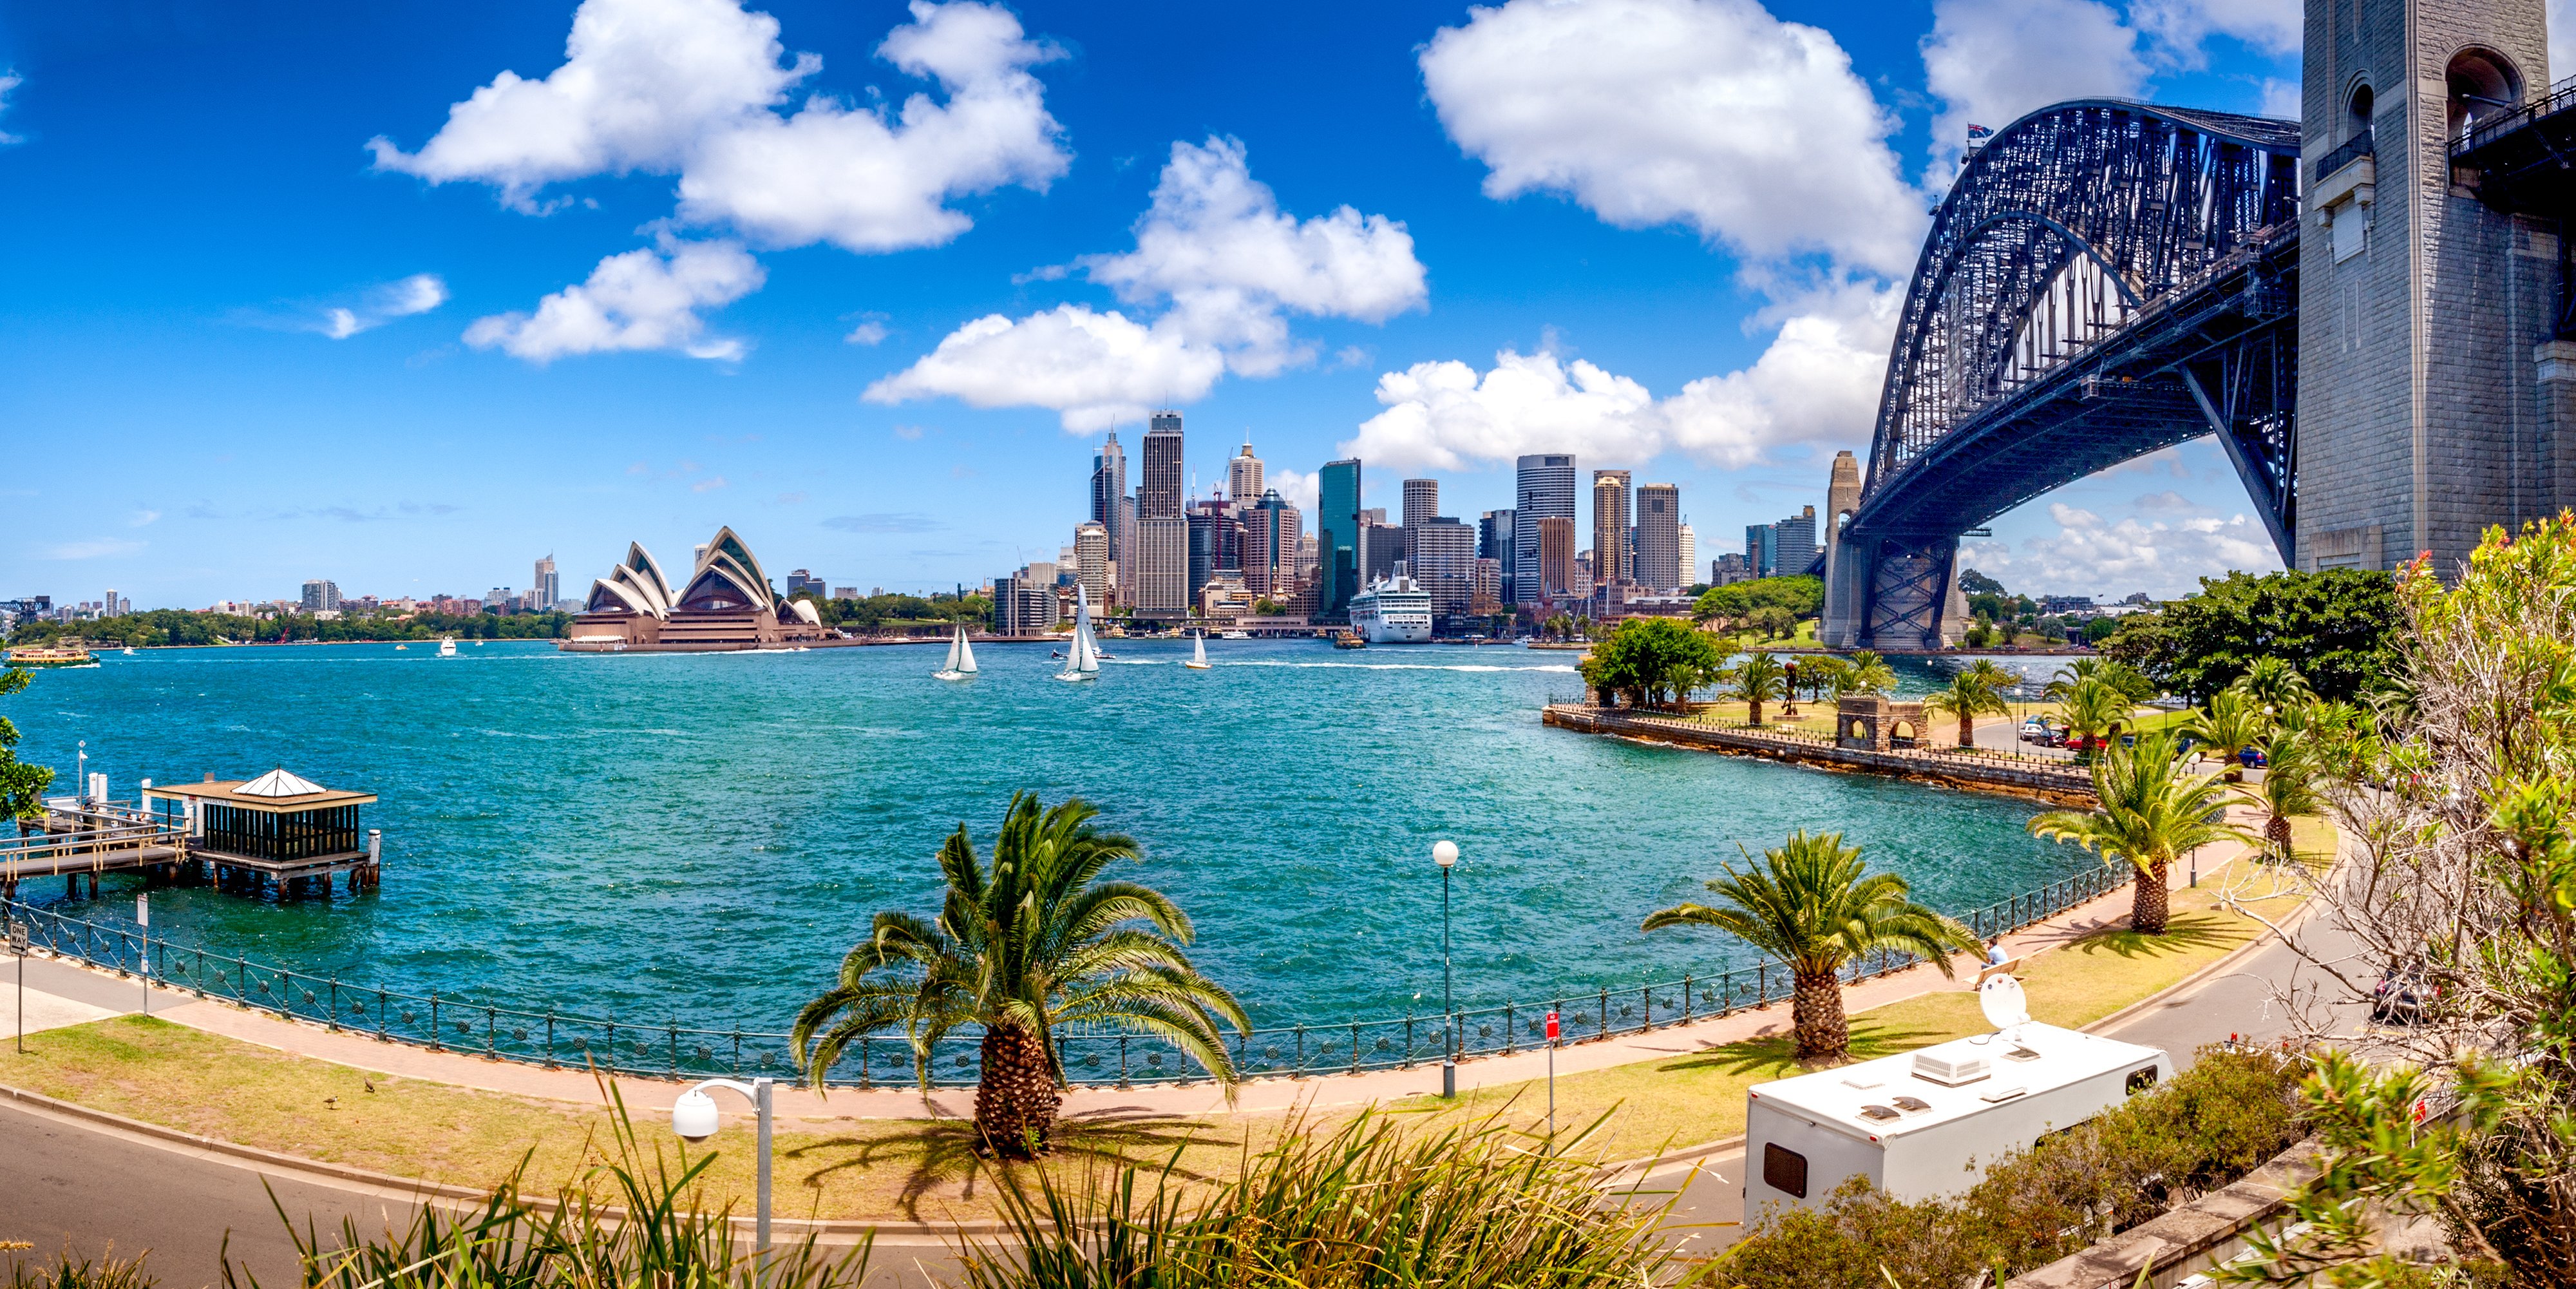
69 1205
2055 781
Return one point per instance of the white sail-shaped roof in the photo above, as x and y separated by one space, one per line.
278 783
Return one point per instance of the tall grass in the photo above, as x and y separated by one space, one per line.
1375 1203
109 1272
629 1223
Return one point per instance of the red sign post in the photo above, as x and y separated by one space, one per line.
1551 1078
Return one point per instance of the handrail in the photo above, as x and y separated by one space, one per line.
552 1037
2483 132
2353 149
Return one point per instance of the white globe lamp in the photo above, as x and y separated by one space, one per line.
693 1116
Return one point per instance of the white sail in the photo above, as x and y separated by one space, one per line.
965 662
1198 649
1082 657
956 642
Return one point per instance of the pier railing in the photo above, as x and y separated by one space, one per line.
555 1037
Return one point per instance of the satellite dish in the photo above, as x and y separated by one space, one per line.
2003 1002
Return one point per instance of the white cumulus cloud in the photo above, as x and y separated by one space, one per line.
642 299
695 87
1224 266
1707 113
406 297
2091 555
1096 369
1817 382
1992 61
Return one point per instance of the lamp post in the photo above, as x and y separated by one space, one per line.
1445 854
694 1118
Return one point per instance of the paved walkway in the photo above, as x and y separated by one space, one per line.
74 993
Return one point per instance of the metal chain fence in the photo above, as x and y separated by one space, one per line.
555 1038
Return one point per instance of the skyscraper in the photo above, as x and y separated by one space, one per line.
1272 530
1441 555
1091 561
1659 537
1162 532
1421 501
1158 488
1546 489
546 588
1498 540
1610 528
1760 547
321 594
1113 510
1381 547
1690 556
1793 544
1243 477
1552 544
1337 538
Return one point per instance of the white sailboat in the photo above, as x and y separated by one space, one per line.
1082 658
447 646
961 658
1198 652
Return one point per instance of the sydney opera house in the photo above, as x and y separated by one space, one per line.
727 603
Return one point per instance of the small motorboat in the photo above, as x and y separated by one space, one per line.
400 647
447 646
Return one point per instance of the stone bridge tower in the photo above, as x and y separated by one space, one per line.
2430 389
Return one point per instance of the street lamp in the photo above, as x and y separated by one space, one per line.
1445 854
694 1118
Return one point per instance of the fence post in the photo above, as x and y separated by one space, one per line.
1408 1040
1605 1013
335 1004
1762 985
1511 1029
1686 998
550 1036
434 1039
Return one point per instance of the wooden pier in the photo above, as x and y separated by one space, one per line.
237 834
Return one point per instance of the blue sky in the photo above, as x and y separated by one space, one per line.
407 295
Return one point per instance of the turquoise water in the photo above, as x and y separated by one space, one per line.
700 837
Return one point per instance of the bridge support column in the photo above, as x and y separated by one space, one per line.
1850 567
1893 593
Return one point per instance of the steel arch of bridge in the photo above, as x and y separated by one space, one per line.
2106 278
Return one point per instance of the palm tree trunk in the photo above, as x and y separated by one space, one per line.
2151 904
1967 730
1015 1096
1755 706
2276 832
1816 1018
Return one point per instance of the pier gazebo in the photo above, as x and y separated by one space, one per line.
278 827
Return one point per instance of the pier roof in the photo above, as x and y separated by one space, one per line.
232 793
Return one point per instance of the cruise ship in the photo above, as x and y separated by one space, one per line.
1393 611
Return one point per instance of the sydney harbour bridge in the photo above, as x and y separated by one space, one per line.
2108 278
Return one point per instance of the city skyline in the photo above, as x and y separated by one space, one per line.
320 328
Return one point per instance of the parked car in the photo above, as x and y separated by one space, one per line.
2401 995
2252 758
2034 731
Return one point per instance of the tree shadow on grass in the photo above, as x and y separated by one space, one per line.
942 1152
2184 932
1774 1055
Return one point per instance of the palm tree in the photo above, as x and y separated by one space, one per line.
1976 691
1031 943
1757 680
1869 673
2275 685
1821 673
2093 709
2289 787
2231 723
2152 813
1816 910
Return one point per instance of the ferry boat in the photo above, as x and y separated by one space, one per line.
1392 611
50 656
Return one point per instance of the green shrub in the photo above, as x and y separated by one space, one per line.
2213 1124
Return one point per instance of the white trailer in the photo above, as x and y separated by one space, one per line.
1927 1123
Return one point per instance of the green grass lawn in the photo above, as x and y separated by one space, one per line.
1684 1100
234 1091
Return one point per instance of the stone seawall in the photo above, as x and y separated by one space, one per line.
2047 783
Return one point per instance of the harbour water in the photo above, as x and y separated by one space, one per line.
700 837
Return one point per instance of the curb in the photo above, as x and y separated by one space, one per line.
428 1190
